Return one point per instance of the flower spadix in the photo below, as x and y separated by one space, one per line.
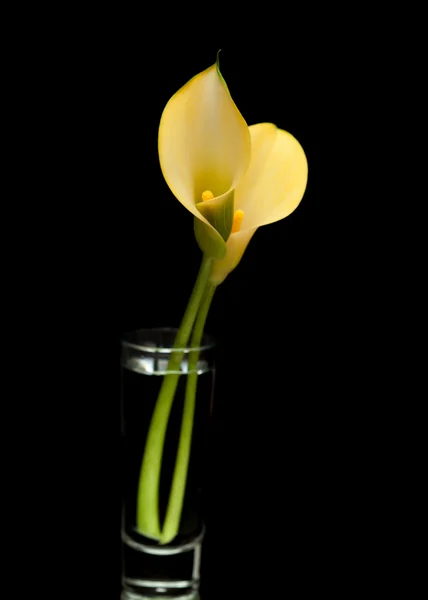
271 189
204 150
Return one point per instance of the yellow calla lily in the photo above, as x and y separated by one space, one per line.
271 190
233 179
204 145
204 150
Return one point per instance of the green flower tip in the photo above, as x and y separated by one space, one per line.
217 64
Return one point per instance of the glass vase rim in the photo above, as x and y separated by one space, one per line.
208 342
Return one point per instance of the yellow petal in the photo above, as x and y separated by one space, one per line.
276 179
270 190
235 248
204 142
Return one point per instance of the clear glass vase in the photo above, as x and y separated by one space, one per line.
154 568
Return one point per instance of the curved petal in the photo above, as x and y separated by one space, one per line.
263 137
276 179
204 142
235 248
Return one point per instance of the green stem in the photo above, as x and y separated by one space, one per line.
178 487
148 490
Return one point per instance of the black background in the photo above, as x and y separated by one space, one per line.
99 246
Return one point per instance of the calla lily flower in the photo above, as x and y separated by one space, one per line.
271 190
231 177
204 151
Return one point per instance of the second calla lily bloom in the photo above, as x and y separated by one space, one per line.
204 150
271 190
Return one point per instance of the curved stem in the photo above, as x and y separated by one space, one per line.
148 490
178 487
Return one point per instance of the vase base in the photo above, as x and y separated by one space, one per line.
134 596
153 573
